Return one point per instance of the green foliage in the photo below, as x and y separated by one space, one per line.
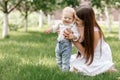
117 3
7 6
72 3
25 7
102 3
96 3
46 6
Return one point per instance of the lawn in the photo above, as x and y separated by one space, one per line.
31 56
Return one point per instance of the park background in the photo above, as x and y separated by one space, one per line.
26 53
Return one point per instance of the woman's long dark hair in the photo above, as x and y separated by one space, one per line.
87 15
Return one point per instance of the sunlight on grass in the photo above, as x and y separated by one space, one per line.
118 78
1 57
41 61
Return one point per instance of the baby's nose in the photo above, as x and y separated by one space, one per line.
67 18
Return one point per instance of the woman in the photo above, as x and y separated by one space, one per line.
94 54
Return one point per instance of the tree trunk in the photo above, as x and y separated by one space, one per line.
108 20
40 19
26 24
49 19
26 21
119 28
5 26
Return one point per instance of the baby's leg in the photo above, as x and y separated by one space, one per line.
58 56
66 58
59 60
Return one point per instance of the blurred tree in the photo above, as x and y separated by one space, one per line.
25 8
72 3
48 6
117 6
107 6
6 6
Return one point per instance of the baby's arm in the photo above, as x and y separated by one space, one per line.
47 31
54 28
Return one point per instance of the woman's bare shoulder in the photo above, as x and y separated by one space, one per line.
96 38
96 29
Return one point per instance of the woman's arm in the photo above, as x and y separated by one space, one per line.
69 35
96 38
79 47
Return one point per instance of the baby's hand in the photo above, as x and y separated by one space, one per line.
58 31
47 31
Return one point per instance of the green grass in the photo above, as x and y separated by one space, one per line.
31 56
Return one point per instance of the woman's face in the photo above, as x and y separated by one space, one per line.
80 22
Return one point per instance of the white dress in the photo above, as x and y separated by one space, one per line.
101 62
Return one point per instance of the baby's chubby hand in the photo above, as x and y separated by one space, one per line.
47 31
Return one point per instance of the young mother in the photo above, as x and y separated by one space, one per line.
94 54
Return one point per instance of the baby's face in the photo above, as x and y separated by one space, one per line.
67 17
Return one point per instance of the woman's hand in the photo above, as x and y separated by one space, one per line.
68 34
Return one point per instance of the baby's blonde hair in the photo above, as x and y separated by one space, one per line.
70 9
